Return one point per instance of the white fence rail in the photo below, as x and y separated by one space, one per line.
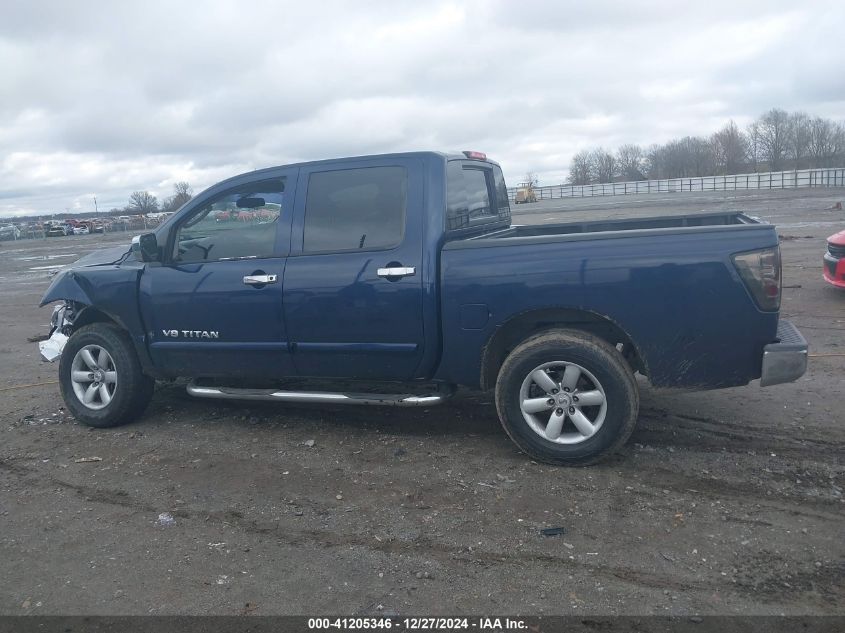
833 177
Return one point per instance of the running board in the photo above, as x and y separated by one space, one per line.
324 397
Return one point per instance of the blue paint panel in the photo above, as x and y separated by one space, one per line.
215 346
337 302
677 296
366 348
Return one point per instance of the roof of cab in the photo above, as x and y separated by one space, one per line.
450 155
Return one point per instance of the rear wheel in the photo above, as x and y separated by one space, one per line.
101 378
566 397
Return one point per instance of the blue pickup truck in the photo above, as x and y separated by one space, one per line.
394 279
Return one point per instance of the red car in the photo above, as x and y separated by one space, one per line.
834 260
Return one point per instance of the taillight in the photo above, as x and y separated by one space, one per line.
476 155
761 272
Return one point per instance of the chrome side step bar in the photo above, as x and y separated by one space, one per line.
324 397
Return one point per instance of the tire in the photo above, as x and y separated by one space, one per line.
602 377
128 389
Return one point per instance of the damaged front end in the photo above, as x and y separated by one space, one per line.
61 324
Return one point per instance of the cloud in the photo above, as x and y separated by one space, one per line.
107 98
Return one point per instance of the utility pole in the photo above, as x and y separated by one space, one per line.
96 210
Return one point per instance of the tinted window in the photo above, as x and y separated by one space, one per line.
238 224
503 206
474 195
355 209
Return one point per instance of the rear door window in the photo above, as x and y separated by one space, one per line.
355 209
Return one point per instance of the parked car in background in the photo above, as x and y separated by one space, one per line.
56 230
834 260
9 232
82 229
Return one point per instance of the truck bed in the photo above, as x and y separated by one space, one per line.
606 228
669 283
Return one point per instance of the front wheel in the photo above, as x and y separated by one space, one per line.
566 397
101 379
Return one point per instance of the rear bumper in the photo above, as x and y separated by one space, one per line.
785 360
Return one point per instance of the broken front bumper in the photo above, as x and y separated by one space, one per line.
785 360
52 348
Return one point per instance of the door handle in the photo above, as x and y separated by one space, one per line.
397 272
260 280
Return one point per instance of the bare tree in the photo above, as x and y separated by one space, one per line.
531 179
654 162
580 169
182 192
753 134
827 143
143 202
773 128
630 162
837 154
700 158
798 145
603 165
730 147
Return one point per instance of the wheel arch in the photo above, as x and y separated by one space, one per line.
524 325
88 315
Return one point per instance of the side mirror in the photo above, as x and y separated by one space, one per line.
145 247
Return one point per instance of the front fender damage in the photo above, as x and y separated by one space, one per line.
70 286
65 287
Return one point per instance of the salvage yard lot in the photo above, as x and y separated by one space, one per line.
725 501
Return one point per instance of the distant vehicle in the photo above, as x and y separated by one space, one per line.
81 230
834 260
9 232
56 230
405 269
97 227
525 193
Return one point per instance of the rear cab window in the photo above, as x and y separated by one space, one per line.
476 195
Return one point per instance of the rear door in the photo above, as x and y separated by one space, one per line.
353 284
214 306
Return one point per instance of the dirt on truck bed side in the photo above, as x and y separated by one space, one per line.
727 502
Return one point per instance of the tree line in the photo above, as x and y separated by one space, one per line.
776 141
143 202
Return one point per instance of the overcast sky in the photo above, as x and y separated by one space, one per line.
106 98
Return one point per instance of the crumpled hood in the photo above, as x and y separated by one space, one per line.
102 257
86 279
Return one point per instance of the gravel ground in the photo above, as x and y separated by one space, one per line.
722 502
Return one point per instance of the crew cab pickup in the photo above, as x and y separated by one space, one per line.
393 279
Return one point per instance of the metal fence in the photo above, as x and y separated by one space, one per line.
834 177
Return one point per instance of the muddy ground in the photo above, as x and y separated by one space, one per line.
722 502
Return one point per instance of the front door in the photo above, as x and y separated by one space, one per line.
214 306
354 281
